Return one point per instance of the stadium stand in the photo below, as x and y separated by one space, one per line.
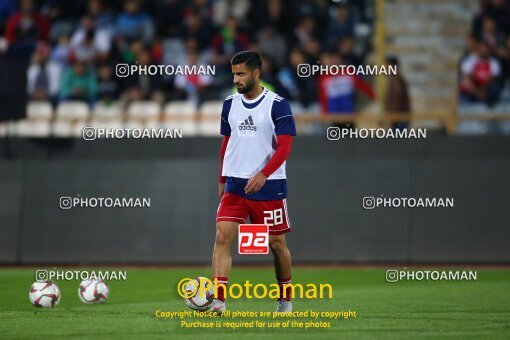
71 59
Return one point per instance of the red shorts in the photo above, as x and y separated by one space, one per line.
234 208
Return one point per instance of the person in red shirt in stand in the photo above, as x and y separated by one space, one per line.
26 27
337 93
480 76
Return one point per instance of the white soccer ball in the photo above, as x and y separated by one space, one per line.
44 294
201 292
93 291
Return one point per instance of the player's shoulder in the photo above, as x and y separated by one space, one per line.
230 98
278 101
275 96
281 107
227 104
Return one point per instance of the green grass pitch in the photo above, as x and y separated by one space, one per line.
404 310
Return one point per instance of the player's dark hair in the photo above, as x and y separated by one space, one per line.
251 58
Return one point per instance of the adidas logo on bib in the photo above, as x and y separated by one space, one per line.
247 125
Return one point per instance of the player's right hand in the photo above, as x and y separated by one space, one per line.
221 189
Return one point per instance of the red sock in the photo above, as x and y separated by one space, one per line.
221 290
288 290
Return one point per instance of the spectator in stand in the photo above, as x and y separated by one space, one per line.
26 27
317 10
197 28
79 82
61 53
490 33
471 47
203 8
346 50
157 50
143 86
228 42
313 50
304 32
272 44
274 13
337 93
62 15
480 77
503 54
86 51
133 24
43 75
340 25
192 44
108 88
266 74
7 9
470 51
287 76
168 17
222 9
302 89
102 18
101 37
193 87
499 11
397 96
130 54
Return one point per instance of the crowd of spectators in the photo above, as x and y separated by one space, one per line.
73 46
485 66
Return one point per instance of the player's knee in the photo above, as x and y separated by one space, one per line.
222 238
277 244
223 235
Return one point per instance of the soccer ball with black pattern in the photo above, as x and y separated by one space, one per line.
44 294
202 293
93 291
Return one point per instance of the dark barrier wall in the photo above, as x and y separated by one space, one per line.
327 183
13 84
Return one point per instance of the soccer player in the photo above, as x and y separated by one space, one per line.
257 126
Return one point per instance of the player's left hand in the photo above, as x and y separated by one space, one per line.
255 183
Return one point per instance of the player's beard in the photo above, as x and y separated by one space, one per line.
248 87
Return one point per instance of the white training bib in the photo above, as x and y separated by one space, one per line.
252 140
